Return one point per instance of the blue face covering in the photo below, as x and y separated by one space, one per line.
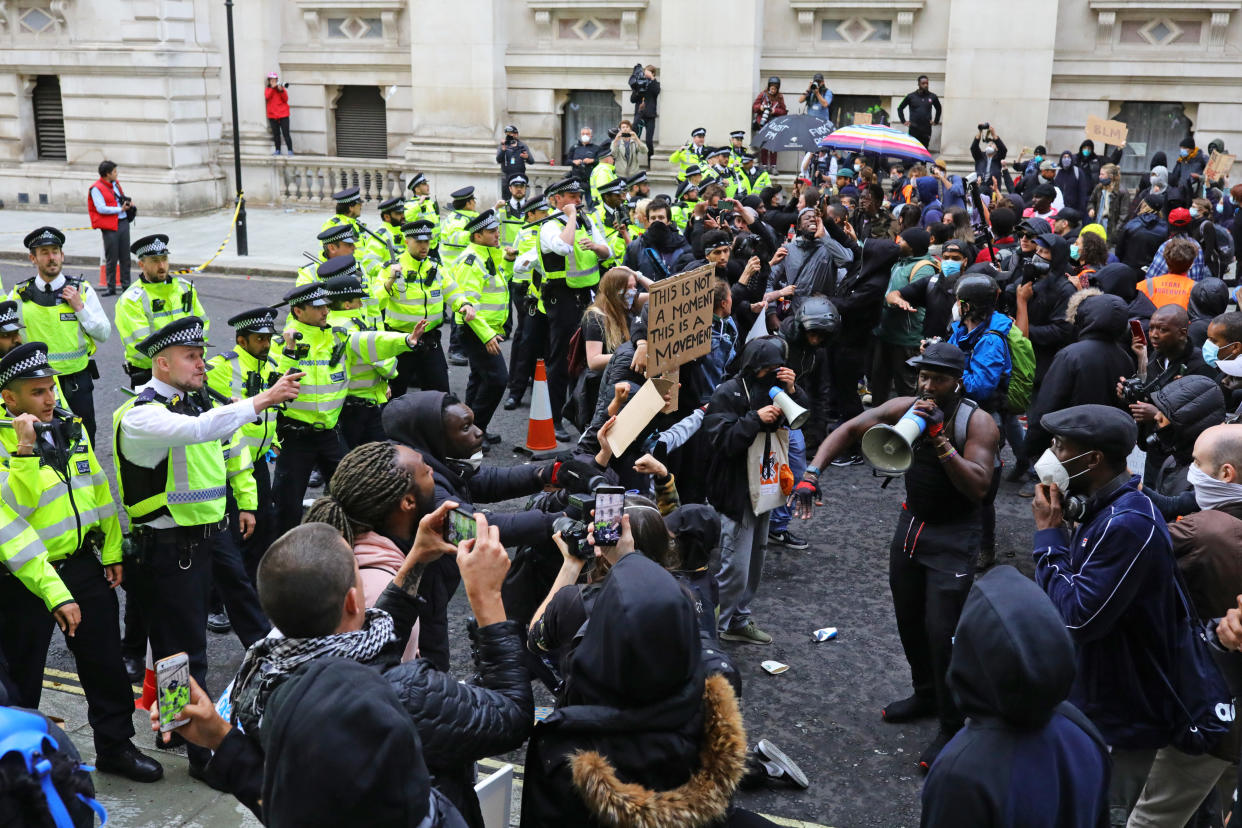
1074 252
1210 351
1086 153
950 267
1183 152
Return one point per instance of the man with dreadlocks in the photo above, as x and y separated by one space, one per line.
376 499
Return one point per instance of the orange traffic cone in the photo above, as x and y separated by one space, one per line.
540 433
148 691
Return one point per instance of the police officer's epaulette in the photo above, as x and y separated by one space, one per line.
470 259
22 289
148 395
233 355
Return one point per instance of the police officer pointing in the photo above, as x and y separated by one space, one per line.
171 469
63 312
60 541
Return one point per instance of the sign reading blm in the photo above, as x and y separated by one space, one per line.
1106 132
679 320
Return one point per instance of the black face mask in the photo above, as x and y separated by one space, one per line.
658 232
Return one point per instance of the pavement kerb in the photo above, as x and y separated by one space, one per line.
214 270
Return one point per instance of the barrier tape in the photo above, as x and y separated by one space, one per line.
223 244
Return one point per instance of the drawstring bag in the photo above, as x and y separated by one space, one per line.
767 470
41 781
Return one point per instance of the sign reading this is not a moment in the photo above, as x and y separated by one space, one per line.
679 319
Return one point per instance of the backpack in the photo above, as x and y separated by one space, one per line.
1019 382
1218 250
42 782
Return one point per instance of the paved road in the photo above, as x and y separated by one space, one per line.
824 712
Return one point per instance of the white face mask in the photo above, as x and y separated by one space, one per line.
474 461
585 138
1050 470
1211 493
988 149
957 311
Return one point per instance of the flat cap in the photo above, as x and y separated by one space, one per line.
396 203
698 132
26 361
639 177
1097 427
737 133
420 230
486 220
255 320
694 169
345 265
44 237
347 196
718 152
309 294
10 319
1047 164
685 187
604 151
187 331
518 178
154 245
565 185
418 178
344 287
615 185
464 192
940 356
535 203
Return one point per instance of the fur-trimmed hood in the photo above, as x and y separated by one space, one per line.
705 796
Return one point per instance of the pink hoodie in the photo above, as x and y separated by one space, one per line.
378 561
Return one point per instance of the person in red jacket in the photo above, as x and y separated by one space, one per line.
277 95
110 212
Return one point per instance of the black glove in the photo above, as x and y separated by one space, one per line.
933 418
804 497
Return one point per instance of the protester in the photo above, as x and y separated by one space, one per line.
900 331
1179 228
1187 174
1043 299
1185 408
1109 202
1208 299
1011 670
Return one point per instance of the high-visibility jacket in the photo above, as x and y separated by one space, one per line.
753 186
735 158
681 213
61 513
367 380
581 268
612 237
424 208
685 157
189 484
453 235
326 356
511 223
1169 289
728 179
50 319
23 555
601 175
529 281
239 375
391 235
369 252
145 307
482 278
419 293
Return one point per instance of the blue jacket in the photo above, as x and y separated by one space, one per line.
929 197
1112 582
724 346
988 363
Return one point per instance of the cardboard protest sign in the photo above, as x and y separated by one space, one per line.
679 320
861 118
1106 132
1218 166
635 417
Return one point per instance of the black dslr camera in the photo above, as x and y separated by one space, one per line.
574 533
1135 390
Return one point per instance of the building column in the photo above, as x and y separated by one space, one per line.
696 86
989 79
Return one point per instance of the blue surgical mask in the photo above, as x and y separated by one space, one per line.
1183 152
1086 153
950 267
1210 351
1065 162
1220 206
1074 252
1194 212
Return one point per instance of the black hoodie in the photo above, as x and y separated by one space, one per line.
1049 332
1086 371
1121 280
1026 756
1208 299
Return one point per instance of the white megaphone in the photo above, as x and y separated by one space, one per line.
794 413
888 448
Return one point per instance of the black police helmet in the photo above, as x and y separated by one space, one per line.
976 290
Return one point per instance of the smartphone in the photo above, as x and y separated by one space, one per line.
172 689
459 525
609 505
1137 332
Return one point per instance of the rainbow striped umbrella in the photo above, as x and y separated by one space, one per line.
873 139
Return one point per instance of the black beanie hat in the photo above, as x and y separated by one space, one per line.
918 239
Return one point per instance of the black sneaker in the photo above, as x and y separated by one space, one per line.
933 750
218 622
787 539
848 460
316 480
457 359
512 402
562 436
909 709
491 437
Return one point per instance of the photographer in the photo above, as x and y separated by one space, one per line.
111 213
817 97
645 94
769 104
629 155
1185 408
276 94
512 156
936 542
1043 296
989 152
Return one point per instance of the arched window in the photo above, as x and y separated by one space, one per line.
1151 127
361 123
49 118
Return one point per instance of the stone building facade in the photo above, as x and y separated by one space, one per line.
403 85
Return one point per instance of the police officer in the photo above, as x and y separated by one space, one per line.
367 390
245 371
512 218
737 148
307 427
416 290
753 178
49 300
687 199
530 336
453 238
61 546
152 302
370 252
690 154
10 327
570 250
605 169
482 276
934 549
637 189
392 216
420 206
608 217
718 167
341 240
172 472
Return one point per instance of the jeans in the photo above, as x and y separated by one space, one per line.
280 126
1011 430
743 546
797 464
116 253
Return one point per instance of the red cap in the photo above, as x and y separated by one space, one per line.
1179 217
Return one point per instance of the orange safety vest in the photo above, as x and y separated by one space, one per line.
1169 289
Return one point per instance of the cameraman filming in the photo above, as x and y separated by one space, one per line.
644 94
817 98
